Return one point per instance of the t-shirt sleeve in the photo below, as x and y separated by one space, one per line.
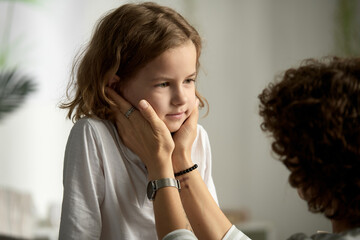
208 164
235 234
184 234
83 181
180 234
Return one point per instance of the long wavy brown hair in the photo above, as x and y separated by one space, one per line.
313 114
123 42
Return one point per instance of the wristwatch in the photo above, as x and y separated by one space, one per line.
155 185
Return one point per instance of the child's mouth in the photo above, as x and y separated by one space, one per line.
176 116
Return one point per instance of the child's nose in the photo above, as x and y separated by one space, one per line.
179 96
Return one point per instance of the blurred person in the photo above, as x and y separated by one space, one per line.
313 116
140 51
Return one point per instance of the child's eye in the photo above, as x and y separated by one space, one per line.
187 81
162 85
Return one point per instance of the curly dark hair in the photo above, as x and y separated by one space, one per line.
313 115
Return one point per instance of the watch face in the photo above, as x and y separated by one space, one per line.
151 190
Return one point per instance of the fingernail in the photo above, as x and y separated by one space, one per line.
143 104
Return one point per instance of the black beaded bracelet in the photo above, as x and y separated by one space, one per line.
186 170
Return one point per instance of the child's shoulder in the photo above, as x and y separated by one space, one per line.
90 124
87 122
201 129
201 133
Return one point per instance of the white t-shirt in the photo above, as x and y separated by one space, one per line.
105 184
183 234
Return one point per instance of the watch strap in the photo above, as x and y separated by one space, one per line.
167 182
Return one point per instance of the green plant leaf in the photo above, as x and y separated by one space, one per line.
14 88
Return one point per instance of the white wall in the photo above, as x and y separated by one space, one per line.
245 44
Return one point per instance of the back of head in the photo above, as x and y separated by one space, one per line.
313 115
123 42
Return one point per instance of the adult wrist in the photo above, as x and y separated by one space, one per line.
155 185
160 171
181 160
185 171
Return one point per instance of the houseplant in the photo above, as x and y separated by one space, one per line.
14 85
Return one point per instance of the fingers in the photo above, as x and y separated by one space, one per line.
126 110
149 114
194 116
122 104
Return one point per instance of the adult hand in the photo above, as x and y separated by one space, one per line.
184 139
144 133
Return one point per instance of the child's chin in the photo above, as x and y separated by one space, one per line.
174 128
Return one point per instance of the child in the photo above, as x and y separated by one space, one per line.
313 115
141 51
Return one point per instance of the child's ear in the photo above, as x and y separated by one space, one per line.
113 81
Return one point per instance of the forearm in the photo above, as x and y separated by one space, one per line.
168 209
169 212
206 218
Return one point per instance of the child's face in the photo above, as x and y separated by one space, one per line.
168 84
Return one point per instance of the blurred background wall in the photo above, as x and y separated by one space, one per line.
246 43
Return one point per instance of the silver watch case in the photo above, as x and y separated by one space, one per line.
155 185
